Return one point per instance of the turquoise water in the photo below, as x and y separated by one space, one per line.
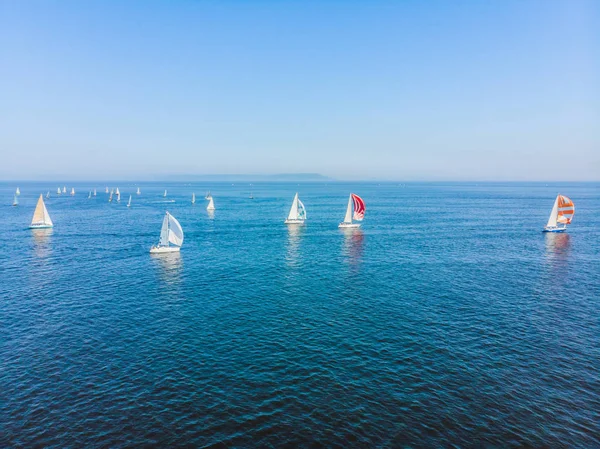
448 319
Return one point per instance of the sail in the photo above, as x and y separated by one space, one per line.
41 216
129 202
138 191
110 197
106 190
18 192
89 195
117 191
94 192
211 204
58 191
566 209
193 198
348 217
359 207
301 211
165 194
64 189
48 194
293 215
15 200
175 231
118 196
164 232
553 215
72 191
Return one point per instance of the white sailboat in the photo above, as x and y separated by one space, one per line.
297 213
58 191
138 191
94 192
561 214
118 196
251 195
18 192
72 191
171 236
106 190
89 194
64 189
48 194
193 198
129 202
110 197
165 194
41 218
117 192
15 200
354 202
211 204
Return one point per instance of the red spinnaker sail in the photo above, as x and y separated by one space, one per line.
566 209
359 207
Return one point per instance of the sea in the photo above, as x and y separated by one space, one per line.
447 320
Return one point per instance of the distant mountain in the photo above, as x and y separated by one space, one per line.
282 177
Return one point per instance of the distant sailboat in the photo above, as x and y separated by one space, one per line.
117 192
48 194
171 236
208 196
64 189
41 218
165 194
138 191
18 192
15 200
251 196
58 191
193 198
562 212
94 192
129 202
118 196
359 212
211 204
89 194
110 197
72 191
106 190
297 213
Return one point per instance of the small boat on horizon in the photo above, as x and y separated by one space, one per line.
72 191
211 204
117 191
138 191
165 194
171 236
58 191
41 217
18 192
89 194
94 192
106 190
129 202
48 194
193 198
354 202
562 212
64 189
15 200
297 213
110 196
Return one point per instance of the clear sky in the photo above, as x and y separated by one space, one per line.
402 90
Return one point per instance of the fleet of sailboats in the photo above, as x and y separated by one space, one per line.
357 204
41 217
171 236
297 213
561 214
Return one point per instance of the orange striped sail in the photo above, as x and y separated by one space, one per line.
566 209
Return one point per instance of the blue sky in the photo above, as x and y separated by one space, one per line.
406 90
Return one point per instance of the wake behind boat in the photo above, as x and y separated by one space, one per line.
297 213
562 212
41 217
171 236
358 204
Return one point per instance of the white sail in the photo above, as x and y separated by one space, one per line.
129 202
175 231
110 197
165 194
138 191
106 190
72 191
193 198
293 215
58 191
89 194
41 218
117 191
211 204
348 217
15 200
94 192
164 232
48 194
553 215
118 196
18 192
64 189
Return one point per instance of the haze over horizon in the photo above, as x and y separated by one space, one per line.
476 91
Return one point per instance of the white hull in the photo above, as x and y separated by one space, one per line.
349 225
294 221
554 229
40 226
164 249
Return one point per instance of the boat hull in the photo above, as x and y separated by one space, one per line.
164 249
40 226
294 222
349 225
555 229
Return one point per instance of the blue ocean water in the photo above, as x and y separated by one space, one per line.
448 320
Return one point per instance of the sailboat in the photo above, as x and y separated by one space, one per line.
165 194
193 198
18 192
208 196
106 190
171 236
129 202
297 213
359 212
48 194
64 189
118 196
211 204
89 194
138 191
72 191
41 218
94 192
562 212
58 191
251 196
117 192
15 200
110 197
